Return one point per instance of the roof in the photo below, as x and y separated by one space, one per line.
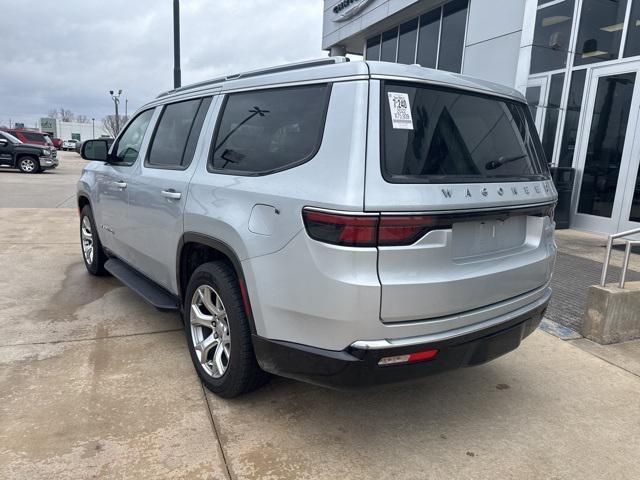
333 69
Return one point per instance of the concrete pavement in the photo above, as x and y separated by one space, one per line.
94 383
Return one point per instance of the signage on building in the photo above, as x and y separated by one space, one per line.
48 125
347 9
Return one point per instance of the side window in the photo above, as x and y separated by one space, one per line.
176 135
265 131
128 146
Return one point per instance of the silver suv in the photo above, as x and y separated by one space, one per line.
342 223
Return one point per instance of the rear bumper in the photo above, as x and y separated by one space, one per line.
357 367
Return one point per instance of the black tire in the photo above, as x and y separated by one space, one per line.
242 373
28 164
96 265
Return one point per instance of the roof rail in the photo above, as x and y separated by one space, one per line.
264 71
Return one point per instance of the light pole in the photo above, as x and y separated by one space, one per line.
93 127
177 75
116 102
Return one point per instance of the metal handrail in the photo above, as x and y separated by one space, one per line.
627 255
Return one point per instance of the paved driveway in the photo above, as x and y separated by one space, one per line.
94 383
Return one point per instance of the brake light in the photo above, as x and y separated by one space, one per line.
338 229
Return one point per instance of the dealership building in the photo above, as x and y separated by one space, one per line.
576 61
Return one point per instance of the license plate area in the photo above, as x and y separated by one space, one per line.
487 236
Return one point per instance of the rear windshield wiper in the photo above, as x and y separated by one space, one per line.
493 164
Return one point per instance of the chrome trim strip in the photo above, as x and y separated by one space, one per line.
341 212
447 335
472 210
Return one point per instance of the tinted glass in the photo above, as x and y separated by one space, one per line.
634 214
601 25
632 45
407 42
454 24
10 137
551 37
389 45
572 119
373 48
458 136
171 135
129 143
33 137
533 99
551 118
265 131
196 128
606 142
428 38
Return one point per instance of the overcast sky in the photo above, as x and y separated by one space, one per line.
70 53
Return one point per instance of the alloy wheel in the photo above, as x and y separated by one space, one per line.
86 234
28 165
210 332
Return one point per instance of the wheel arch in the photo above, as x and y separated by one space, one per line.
195 249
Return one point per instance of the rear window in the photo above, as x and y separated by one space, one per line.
439 135
266 131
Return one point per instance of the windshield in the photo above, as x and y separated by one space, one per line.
10 137
440 135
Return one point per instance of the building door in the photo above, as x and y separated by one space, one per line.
606 199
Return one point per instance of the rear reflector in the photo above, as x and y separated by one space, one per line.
410 358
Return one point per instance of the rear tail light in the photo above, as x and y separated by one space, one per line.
409 358
338 229
394 231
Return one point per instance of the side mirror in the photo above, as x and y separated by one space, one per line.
4 142
95 150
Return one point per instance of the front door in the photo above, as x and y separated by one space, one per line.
158 189
606 198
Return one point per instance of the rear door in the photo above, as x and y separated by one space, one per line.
467 169
158 190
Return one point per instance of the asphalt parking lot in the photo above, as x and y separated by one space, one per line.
94 383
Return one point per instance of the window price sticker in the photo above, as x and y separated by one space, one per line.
400 111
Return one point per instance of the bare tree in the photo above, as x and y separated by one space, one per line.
66 115
53 113
111 126
82 119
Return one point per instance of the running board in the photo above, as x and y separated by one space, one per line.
148 290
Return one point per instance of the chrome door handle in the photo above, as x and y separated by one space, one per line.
120 184
171 193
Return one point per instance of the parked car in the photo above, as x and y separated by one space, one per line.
69 144
30 136
341 223
57 143
25 157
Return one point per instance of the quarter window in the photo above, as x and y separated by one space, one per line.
176 131
265 131
129 143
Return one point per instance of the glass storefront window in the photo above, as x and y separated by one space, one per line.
572 119
632 45
389 45
428 38
600 32
454 24
533 99
373 48
553 112
606 142
551 37
407 42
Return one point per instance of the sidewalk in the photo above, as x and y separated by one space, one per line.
579 265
